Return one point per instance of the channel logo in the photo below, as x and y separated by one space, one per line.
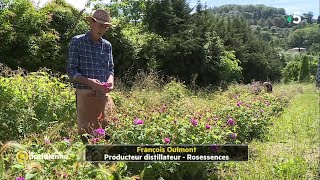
23 156
295 18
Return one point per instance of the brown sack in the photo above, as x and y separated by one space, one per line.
94 108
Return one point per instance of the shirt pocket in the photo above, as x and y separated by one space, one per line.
104 59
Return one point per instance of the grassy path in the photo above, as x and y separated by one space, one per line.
291 149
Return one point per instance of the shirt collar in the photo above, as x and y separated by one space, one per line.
88 37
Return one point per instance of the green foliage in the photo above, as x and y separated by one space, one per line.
33 102
291 71
174 91
251 113
166 17
260 11
63 18
294 159
42 36
304 75
207 48
256 14
230 69
302 68
257 58
127 11
265 35
204 52
290 166
21 25
41 100
305 37
143 44
124 53
219 63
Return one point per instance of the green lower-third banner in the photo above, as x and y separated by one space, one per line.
166 153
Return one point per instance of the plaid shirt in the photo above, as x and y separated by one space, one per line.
89 59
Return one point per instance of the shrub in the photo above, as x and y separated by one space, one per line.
174 91
32 102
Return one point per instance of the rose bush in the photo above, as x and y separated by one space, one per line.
41 108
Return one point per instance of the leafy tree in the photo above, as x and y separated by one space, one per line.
308 16
215 45
166 17
265 35
291 71
280 21
199 7
305 37
304 74
127 10
296 39
302 68
269 22
160 17
22 33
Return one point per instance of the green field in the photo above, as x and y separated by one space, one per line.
281 128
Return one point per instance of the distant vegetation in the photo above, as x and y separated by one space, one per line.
206 47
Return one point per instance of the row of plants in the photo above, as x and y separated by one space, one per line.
42 105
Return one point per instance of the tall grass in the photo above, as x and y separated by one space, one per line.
291 149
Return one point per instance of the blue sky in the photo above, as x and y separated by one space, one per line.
291 6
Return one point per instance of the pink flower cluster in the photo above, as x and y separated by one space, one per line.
239 103
231 122
233 135
166 140
99 132
107 85
94 140
194 122
137 121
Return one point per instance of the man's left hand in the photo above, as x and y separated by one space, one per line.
108 86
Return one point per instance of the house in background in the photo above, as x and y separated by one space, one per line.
297 49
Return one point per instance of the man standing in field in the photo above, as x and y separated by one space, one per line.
91 69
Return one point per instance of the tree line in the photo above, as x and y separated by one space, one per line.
166 36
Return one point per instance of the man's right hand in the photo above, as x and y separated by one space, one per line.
93 83
97 85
